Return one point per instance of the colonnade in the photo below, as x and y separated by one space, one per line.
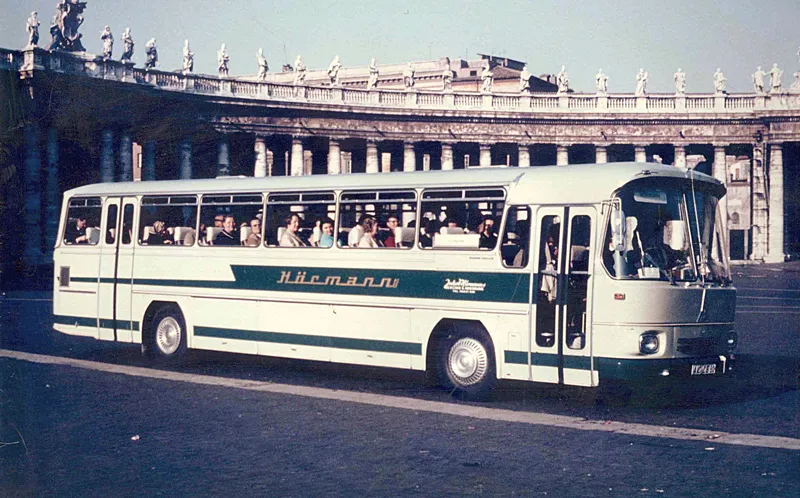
116 163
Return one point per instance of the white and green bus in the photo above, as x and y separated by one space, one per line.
562 274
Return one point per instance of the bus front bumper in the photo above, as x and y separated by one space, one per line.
635 369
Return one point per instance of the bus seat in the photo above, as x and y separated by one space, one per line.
457 241
112 232
93 235
180 234
212 232
451 230
244 232
675 235
404 237
355 235
579 258
281 231
146 232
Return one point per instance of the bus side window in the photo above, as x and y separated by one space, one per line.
516 238
111 224
303 219
82 226
127 224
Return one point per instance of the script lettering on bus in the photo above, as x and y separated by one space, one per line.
302 278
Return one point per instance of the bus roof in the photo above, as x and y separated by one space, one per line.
576 183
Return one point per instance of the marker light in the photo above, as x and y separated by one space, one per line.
648 343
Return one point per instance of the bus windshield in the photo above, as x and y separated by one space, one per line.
665 232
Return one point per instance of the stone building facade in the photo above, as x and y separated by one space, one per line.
91 119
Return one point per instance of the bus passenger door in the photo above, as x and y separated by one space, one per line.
575 297
561 336
116 251
128 329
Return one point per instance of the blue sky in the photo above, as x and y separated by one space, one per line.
619 36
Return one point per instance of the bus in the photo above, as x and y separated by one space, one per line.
573 275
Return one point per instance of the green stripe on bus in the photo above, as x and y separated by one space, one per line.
105 323
310 340
470 286
548 360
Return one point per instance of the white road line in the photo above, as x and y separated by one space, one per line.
478 412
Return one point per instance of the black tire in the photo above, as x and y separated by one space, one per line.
167 334
466 366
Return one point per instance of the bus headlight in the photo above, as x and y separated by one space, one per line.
648 343
731 341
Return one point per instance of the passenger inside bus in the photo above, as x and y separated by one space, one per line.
76 233
254 239
387 238
289 237
488 238
229 236
370 226
159 236
326 239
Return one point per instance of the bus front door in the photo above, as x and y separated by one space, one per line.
116 266
561 335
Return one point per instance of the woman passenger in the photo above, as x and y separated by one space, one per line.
370 229
289 237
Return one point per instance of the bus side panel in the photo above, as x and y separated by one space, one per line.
370 335
75 301
294 330
224 324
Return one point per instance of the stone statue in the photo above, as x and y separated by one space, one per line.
601 82
188 58
562 80
719 82
263 67
487 78
524 80
65 25
796 84
108 42
127 42
372 81
775 78
758 81
408 76
680 82
222 61
151 50
32 26
299 71
641 82
447 76
333 71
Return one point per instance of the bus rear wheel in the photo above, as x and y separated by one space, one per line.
467 367
168 333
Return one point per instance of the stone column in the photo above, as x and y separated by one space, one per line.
223 157
680 156
149 161
447 156
562 155
640 154
775 249
524 156
409 157
125 166
334 157
372 157
600 154
107 157
33 197
51 193
296 168
185 152
485 158
720 172
260 168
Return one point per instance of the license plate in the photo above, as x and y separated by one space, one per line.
704 369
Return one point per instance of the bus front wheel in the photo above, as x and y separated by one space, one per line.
168 333
467 366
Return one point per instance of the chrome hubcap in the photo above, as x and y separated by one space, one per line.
168 335
468 361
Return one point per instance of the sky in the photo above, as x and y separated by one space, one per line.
618 36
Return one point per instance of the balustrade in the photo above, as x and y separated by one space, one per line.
505 102
700 103
582 102
468 100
